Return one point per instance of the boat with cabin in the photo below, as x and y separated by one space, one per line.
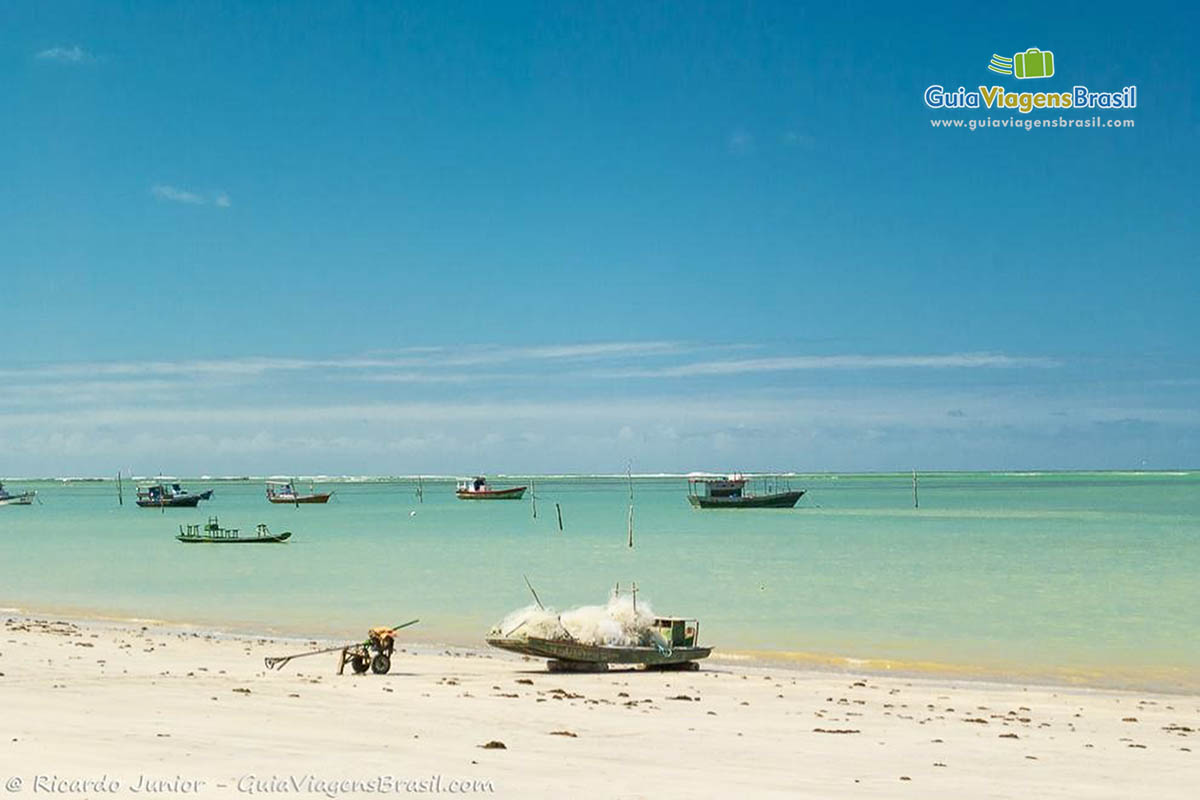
169 494
213 533
656 643
285 492
730 491
21 499
672 646
477 488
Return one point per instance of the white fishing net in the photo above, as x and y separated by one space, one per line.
614 623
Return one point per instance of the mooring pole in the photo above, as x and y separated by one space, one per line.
629 474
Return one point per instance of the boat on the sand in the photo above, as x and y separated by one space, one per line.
670 643
590 638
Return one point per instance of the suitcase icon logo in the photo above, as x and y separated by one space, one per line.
1033 63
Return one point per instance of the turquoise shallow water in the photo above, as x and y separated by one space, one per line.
1092 577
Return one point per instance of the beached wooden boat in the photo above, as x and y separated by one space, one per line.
22 499
285 492
670 644
730 492
213 533
477 489
161 494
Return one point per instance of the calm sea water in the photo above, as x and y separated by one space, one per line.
1092 577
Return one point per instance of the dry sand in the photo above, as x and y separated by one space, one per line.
191 713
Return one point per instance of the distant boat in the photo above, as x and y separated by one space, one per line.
161 494
730 492
477 489
213 533
285 492
22 499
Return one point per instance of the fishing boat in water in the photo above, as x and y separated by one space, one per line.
285 492
22 499
213 533
708 491
163 494
477 489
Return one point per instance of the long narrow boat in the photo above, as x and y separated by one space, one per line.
213 533
285 492
22 499
730 492
162 494
477 489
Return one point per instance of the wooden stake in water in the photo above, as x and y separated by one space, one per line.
558 508
420 489
916 503
120 494
629 474
533 495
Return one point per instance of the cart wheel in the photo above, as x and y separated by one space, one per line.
359 664
380 664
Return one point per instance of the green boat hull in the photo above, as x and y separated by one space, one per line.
272 539
599 654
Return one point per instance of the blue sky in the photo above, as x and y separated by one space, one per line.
401 238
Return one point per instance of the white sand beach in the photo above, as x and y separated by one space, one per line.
155 710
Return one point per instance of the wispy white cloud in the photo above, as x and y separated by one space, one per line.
428 358
741 142
836 362
176 195
66 55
